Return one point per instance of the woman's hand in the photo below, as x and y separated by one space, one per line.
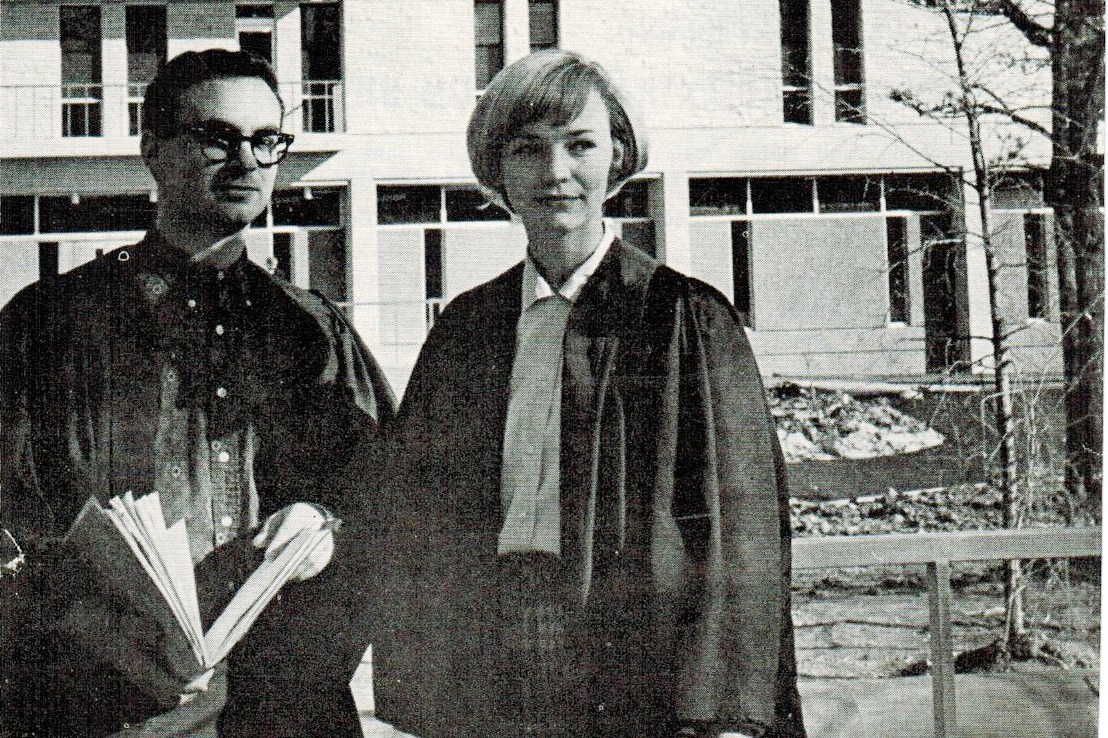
283 525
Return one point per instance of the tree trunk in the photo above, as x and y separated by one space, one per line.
1073 190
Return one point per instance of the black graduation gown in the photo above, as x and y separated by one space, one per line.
674 515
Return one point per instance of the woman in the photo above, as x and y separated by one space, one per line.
589 526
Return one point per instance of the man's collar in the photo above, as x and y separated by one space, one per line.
535 286
156 253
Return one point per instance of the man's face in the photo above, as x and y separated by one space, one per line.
222 197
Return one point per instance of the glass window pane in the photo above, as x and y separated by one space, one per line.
797 106
80 43
846 36
781 195
261 10
922 192
327 263
543 23
292 208
320 42
17 214
146 41
849 194
717 196
408 204
487 26
433 262
1034 234
469 204
632 201
850 106
96 213
897 250
740 267
794 43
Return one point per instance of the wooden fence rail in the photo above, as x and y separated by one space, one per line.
937 551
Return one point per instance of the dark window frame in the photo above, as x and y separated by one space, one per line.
493 52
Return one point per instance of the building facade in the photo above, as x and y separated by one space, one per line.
782 171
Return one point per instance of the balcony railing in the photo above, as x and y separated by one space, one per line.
115 111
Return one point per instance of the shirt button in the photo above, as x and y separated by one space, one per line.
221 392
191 303
224 457
219 275
216 445
219 330
226 521
170 376
249 304
220 538
175 470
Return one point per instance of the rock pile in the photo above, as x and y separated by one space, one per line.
820 425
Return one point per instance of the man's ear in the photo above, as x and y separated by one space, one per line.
148 146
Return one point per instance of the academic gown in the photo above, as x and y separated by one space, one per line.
674 516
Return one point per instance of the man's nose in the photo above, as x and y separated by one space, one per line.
244 154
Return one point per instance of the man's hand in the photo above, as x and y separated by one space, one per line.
283 525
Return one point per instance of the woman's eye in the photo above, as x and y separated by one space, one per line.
581 145
522 149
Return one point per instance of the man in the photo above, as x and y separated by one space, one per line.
173 366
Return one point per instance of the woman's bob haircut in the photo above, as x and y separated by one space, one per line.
548 85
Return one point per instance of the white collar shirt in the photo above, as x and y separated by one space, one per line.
530 480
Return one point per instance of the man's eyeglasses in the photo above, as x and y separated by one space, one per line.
269 147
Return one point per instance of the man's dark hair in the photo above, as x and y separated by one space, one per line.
161 109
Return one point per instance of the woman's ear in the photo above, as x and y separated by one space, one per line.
615 172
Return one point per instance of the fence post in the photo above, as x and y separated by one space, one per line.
942 649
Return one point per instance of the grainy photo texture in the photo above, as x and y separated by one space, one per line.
551 368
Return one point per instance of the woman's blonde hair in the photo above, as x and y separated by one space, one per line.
548 85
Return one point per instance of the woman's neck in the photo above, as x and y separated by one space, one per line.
558 253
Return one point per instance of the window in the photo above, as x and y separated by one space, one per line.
254 28
432 262
96 213
849 194
1038 289
1018 189
146 49
741 232
718 196
846 37
781 195
398 204
408 204
282 254
488 16
48 260
796 73
81 54
632 201
922 192
315 206
17 214
542 18
896 241
469 204
321 66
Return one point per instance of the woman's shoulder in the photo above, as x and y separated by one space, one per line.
499 292
701 298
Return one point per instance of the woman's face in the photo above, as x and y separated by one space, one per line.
556 176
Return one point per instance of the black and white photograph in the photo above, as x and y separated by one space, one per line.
551 368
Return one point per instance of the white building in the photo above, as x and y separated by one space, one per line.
774 173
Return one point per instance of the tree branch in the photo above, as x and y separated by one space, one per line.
1035 32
